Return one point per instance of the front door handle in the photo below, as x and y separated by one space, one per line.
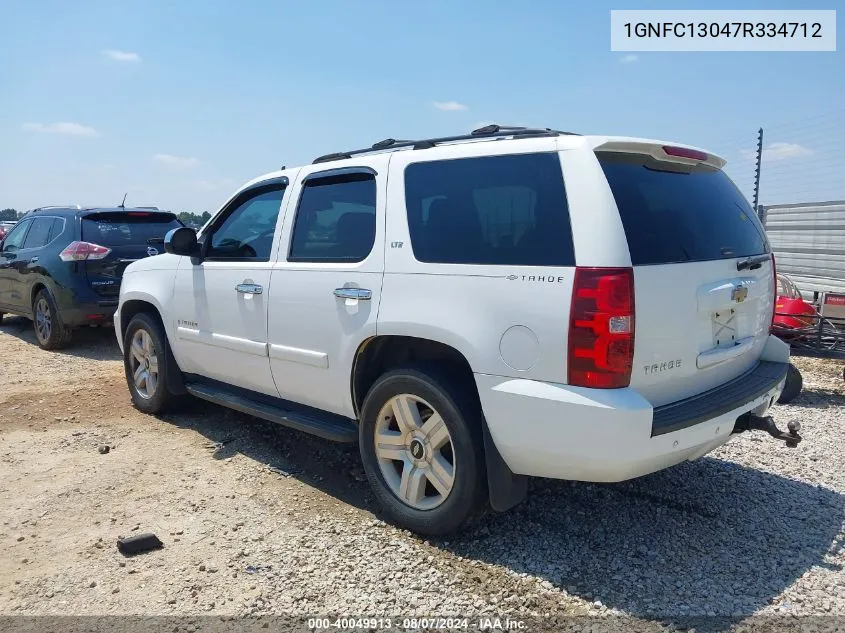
353 293
249 289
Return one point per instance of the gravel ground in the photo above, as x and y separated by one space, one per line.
257 519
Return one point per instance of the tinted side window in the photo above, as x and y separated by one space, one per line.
57 228
682 215
499 210
247 232
336 219
14 239
39 233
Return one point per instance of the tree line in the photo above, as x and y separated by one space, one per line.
7 215
186 217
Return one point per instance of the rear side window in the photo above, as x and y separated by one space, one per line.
336 219
680 214
57 228
39 233
497 210
131 228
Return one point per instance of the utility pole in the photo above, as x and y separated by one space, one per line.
757 172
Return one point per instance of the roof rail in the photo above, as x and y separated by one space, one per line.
58 206
488 131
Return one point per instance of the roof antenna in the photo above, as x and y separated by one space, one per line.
122 205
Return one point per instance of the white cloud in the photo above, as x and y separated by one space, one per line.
122 56
780 151
450 106
176 162
629 59
69 129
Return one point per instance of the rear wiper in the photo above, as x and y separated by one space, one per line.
752 263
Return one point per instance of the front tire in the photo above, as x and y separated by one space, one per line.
50 330
145 365
422 449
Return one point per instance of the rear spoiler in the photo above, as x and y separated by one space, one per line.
667 152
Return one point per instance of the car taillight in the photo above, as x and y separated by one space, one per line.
775 293
81 251
601 328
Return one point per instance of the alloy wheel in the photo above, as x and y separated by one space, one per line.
43 320
414 451
143 363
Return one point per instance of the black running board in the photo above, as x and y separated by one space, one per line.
325 425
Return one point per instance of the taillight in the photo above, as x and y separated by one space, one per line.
774 292
81 251
601 328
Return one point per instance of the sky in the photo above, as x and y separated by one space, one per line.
178 103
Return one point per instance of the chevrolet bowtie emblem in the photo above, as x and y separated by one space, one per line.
739 294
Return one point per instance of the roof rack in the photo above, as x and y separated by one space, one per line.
58 206
488 131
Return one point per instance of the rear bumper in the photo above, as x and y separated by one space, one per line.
563 432
93 313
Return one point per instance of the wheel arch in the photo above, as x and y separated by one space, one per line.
380 353
134 306
37 287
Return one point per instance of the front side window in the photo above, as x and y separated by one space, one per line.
336 219
14 240
39 233
247 232
498 210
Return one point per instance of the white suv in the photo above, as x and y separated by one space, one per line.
473 310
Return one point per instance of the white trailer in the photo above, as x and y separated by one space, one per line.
808 240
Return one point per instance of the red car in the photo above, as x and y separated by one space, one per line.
791 311
5 227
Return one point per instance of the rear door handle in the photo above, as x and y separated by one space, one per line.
353 293
249 289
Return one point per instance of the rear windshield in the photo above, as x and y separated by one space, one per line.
130 228
672 213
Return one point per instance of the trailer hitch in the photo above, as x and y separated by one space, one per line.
751 422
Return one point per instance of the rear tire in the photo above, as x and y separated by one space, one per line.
793 385
50 330
427 474
145 365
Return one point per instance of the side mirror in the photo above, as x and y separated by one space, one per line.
182 241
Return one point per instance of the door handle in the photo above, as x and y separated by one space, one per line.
249 289
353 293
